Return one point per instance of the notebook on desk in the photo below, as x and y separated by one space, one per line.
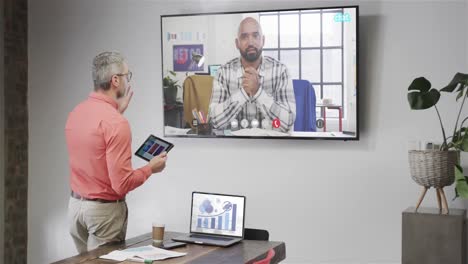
215 219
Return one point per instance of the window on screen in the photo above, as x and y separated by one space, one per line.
313 52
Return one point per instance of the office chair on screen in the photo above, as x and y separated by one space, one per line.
197 94
305 106
260 234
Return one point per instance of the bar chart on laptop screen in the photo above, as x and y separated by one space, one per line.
217 214
223 221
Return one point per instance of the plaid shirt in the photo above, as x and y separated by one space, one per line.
274 98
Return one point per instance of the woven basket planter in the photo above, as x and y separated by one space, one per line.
433 168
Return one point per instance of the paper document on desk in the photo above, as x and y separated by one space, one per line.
174 131
258 132
146 252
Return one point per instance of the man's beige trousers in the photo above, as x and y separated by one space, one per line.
93 224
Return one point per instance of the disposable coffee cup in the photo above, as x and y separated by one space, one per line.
158 233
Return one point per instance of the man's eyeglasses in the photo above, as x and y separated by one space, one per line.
128 75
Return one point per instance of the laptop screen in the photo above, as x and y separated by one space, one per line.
217 214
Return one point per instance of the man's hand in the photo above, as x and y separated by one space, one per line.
250 81
125 100
158 163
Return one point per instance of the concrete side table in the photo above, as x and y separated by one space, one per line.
430 237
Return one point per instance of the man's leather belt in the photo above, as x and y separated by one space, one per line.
77 196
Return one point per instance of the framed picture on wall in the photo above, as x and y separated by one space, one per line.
188 58
213 69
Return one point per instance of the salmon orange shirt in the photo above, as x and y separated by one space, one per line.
99 147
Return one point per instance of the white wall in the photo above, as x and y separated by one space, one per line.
331 201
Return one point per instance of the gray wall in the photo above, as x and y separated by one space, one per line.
331 202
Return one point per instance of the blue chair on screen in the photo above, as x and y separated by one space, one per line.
305 106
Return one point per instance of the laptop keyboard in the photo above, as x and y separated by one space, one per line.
211 237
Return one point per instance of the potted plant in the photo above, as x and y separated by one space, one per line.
441 167
170 88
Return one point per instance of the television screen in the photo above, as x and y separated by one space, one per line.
261 74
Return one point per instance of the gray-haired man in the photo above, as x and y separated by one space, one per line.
99 145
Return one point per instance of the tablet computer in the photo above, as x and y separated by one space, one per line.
152 147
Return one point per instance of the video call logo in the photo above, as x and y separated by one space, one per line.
276 123
346 17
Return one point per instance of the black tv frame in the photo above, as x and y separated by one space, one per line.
357 134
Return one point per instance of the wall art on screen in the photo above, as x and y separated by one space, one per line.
271 74
187 58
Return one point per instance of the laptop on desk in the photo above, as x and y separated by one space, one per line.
215 219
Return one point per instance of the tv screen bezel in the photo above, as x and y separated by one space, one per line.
356 137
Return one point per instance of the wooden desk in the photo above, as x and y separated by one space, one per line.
247 251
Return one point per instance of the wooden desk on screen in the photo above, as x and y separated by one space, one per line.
247 251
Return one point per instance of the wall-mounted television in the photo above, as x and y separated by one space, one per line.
262 74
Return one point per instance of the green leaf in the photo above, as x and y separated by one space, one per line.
459 78
459 173
464 142
420 84
423 100
460 94
421 95
460 139
449 88
165 81
449 145
461 88
461 186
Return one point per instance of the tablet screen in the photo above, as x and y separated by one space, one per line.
152 147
